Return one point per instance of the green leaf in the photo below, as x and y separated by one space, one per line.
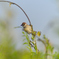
28 47
32 37
23 35
25 43
23 32
35 47
38 33
27 37
24 39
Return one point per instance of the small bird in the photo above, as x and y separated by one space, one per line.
28 28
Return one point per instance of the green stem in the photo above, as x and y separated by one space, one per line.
46 52
30 51
37 51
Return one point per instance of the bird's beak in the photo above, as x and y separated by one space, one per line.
21 24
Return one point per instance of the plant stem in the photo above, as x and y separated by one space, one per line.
20 8
36 46
31 52
46 52
45 46
37 51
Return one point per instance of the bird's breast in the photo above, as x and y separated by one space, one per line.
28 29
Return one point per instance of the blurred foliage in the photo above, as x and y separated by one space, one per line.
49 54
8 50
7 46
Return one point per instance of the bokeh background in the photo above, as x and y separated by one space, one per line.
44 16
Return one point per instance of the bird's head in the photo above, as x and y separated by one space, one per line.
23 24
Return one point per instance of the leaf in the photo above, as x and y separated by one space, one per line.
23 39
25 43
34 33
23 35
35 47
34 53
32 37
44 37
28 47
23 32
38 33
27 37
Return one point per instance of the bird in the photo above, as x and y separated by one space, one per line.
28 28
